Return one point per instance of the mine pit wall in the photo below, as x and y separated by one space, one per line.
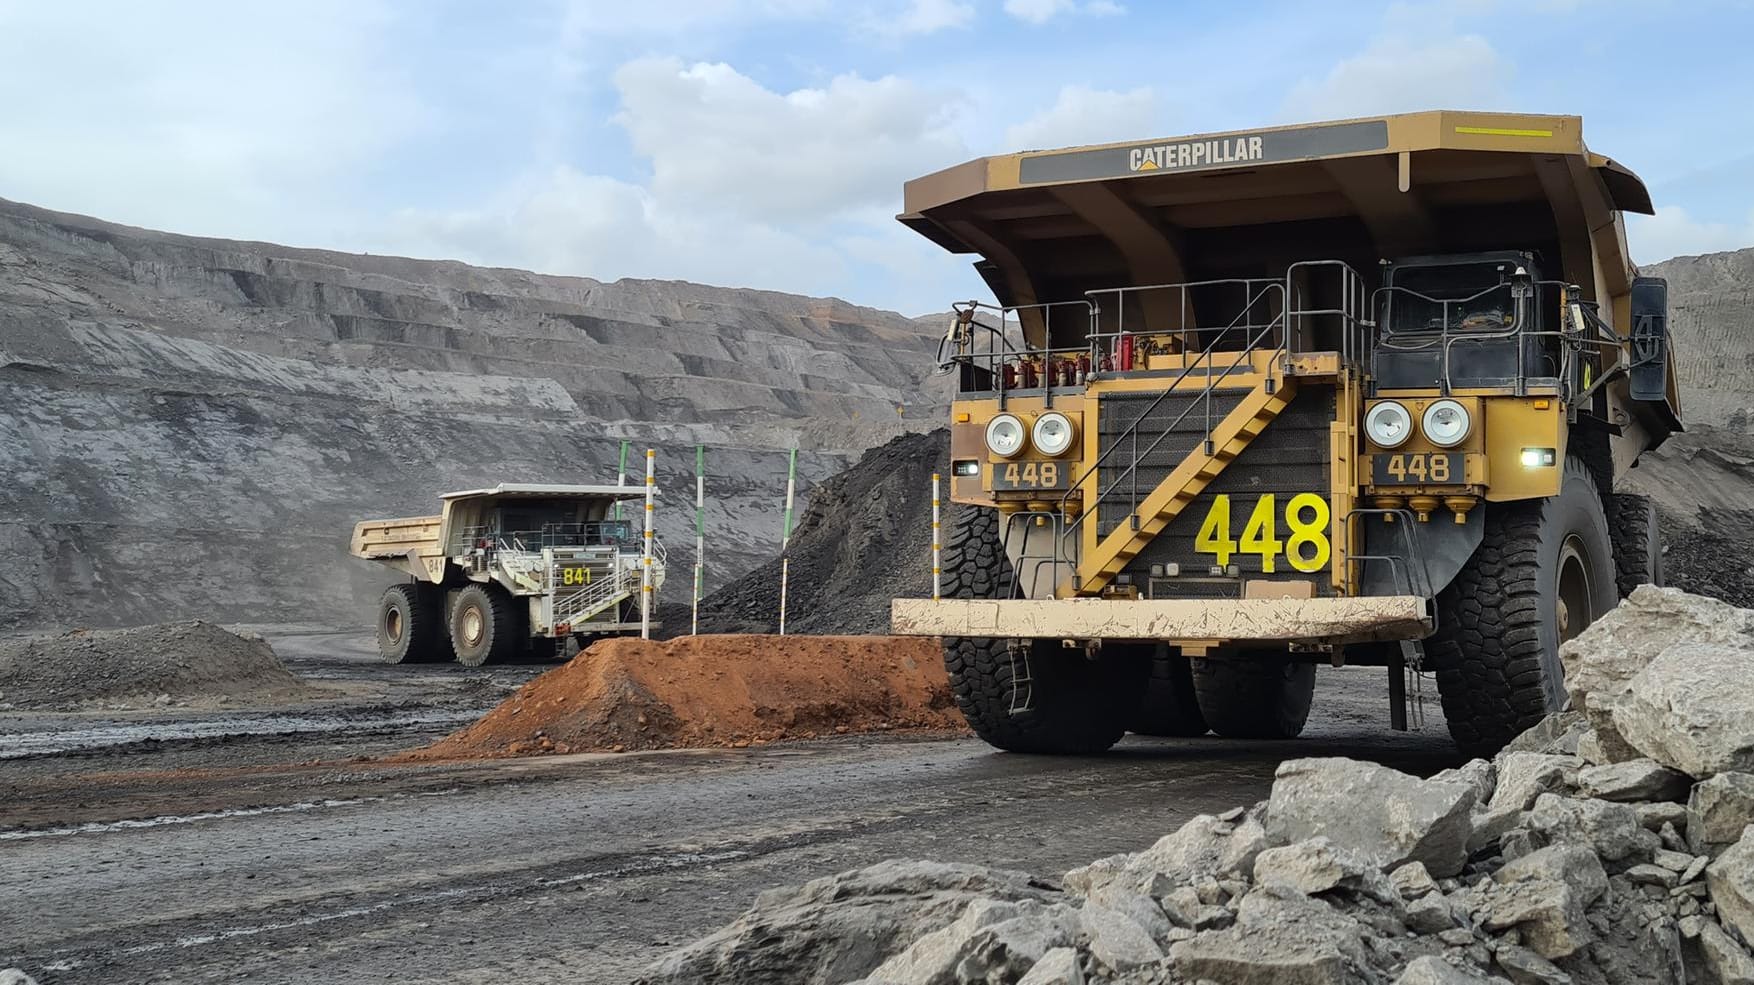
191 427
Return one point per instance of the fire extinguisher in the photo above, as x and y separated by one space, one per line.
1125 354
1009 372
1030 379
1083 369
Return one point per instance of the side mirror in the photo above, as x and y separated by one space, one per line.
1648 374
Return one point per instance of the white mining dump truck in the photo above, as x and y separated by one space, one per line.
510 571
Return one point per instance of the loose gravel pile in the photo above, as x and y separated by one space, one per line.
1613 843
865 537
698 691
180 662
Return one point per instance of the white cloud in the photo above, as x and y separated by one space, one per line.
197 117
564 221
1399 74
920 17
1672 232
719 140
745 186
1082 115
1042 11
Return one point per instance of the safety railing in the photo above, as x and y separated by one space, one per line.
1215 326
989 344
1581 329
580 605
1129 437
617 534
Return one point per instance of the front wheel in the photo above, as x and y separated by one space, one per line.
1029 695
1038 696
484 626
1543 572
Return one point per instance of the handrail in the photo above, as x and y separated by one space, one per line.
1205 394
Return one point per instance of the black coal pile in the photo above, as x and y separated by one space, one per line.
865 537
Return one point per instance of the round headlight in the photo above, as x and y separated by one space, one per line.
1388 424
1005 435
1446 423
1052 433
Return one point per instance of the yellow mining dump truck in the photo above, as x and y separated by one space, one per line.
1350 392
511 571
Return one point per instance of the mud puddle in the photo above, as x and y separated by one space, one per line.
158 734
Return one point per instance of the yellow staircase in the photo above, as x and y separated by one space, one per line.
1102 558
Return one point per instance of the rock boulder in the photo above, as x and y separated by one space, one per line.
1371 812
1678 712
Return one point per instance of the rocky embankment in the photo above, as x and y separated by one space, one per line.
193 425
1610 844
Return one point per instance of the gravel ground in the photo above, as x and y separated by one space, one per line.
571 869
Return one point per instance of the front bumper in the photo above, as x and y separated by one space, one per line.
1218 621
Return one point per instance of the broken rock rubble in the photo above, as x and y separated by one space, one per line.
1543 865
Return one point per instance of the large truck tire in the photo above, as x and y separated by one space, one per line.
1067 704
485 627
1170 707
1544 570
1638 543
411 624
1254 695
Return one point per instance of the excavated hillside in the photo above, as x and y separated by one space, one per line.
193 425
1703 480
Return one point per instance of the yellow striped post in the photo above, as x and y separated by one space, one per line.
937 545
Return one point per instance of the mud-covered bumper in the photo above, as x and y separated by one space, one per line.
1323 620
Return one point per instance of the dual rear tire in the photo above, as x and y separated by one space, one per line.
481 625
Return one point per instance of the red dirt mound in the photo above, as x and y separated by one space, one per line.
694 691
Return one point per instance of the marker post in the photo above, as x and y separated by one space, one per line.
699 536
786 534
645 595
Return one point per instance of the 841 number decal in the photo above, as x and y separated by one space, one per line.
1305 547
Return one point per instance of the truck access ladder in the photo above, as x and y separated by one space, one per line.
578 606
1215 402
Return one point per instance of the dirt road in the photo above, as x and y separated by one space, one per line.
565 869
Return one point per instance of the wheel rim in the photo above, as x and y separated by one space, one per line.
393 625
1575 593
473 625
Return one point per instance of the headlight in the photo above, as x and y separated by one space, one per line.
1388 424
1446 423
1052 433
1005 435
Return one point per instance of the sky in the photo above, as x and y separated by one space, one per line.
764 143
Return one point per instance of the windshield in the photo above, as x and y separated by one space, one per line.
1464 297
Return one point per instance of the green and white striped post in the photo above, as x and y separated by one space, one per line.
699 536
786 534
621 475
646 587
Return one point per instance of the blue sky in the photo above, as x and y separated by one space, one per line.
764 143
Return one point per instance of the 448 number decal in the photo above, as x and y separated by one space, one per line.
1305 548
